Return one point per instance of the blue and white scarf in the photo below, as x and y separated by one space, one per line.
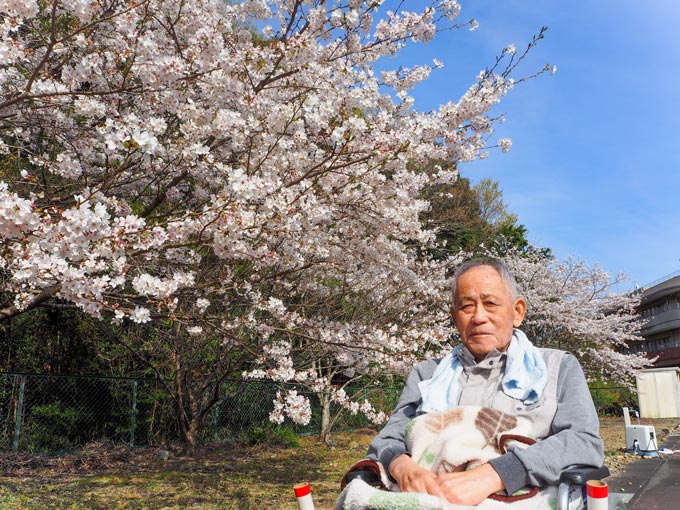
524 378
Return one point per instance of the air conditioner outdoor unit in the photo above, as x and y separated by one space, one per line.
640 439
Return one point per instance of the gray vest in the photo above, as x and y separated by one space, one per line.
480 385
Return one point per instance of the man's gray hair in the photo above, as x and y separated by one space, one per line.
498 265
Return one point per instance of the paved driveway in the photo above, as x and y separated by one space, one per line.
648 484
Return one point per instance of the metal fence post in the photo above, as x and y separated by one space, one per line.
133 416
216 421
19 413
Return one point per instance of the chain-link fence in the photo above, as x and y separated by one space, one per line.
246 406
40 413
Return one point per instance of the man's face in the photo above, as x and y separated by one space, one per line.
484 311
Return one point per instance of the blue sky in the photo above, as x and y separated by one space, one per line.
594 167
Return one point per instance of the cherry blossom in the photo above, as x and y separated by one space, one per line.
249 171
574 306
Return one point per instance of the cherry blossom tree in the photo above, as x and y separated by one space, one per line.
242 174
574 306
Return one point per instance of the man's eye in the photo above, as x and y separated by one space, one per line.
466 307
491 303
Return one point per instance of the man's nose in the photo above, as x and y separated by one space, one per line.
480 315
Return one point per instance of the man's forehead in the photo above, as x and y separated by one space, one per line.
483 295
483 281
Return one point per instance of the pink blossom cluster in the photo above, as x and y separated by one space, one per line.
365 407
291 404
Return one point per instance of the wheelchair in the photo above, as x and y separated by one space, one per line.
571 480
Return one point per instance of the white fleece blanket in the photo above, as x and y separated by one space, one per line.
459 439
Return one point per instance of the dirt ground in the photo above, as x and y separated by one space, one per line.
224 476
613 433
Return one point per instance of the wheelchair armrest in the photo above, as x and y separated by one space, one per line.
579 475
366 470
365 475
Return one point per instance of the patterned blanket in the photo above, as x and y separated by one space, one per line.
458 439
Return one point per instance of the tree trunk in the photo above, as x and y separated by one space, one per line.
325 431
186 423
190 420
190 439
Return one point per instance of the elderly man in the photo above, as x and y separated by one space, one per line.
496 366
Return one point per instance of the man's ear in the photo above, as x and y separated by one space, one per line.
520 309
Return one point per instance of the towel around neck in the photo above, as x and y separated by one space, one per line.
524 378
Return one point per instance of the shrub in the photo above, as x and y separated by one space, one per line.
273 434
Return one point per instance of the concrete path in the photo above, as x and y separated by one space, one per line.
648 484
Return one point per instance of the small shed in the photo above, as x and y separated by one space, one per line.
659 392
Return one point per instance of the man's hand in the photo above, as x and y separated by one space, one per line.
414 478
469 487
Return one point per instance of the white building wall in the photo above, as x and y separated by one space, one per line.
659 392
